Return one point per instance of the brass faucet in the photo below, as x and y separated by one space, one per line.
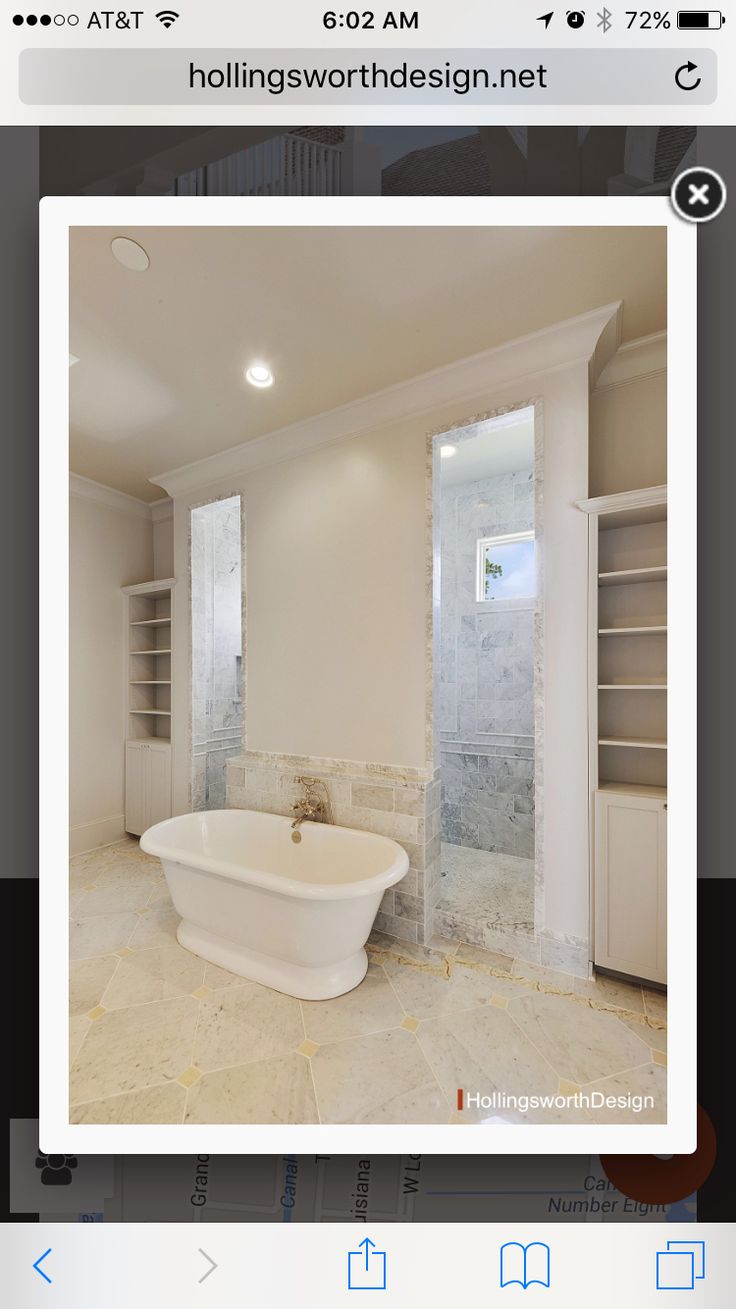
311 807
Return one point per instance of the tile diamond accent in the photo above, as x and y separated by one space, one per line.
307 1048
189 1076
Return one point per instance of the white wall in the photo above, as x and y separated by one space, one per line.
108 548
335 577
163 540
628 435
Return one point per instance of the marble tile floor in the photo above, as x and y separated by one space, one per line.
484 891
157 1035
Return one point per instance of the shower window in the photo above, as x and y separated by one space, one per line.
505 568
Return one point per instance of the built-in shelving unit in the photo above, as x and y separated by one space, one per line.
627 714
149 660
628 641
148 716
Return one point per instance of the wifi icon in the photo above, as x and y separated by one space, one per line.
167 17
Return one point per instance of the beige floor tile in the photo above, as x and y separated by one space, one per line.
246 1023
160 896
113 899
370 1007
87 981
654 1037
78 1029
482 1050
79 877
509 987
157 1104
377 1079
156 928
129 1049
102 854
219 978
611 991
655 1003
581 1044
102 934
148 975
271 1091
650 1080
122 872
427 995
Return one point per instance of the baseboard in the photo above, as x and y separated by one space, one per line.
103 831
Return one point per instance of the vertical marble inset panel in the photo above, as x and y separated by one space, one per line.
216 591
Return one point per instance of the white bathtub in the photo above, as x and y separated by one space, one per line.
292 915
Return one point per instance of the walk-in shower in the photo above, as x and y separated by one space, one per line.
488 590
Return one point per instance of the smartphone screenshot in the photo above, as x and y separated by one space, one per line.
368 491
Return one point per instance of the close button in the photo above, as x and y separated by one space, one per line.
698 194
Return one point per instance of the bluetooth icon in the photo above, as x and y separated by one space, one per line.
604 20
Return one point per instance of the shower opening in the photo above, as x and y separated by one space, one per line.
217 647
487 549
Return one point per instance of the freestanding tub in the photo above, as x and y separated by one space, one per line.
294 915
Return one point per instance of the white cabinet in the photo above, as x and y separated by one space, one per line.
630 885
147 784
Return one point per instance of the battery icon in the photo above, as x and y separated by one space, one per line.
701 20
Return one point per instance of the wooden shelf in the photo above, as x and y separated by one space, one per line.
150 652
630 631
632 686
631 743
158 713
151 622
627 576
634 788
150 681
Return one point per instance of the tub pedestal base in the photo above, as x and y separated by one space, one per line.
320 983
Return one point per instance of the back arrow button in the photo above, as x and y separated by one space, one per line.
210 1270
38 1267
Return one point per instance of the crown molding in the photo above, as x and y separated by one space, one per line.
86 489
645 357
162 510
589 338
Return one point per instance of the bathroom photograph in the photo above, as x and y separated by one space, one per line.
367 674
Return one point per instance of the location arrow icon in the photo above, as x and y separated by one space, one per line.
210 1270
546 18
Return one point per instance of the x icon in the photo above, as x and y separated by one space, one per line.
699 194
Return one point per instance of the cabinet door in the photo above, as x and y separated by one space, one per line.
159 783
631 885
136 787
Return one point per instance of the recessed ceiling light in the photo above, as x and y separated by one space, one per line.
130 254
259 375
447 451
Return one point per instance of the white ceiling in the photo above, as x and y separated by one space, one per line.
499 445
337 313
